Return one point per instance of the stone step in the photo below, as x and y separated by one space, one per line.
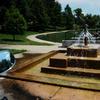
83 72
84 62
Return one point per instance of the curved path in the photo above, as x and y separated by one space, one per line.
34 38
35 48
31 48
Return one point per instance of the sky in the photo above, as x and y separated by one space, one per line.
87 6
4 55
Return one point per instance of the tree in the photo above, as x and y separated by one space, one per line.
14 22
39 17
57 15
24 8
79 17
69 18
4 5
88 19
49 5
96 21
53 9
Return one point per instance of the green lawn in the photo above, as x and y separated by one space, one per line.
20 39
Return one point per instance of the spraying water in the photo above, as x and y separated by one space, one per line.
85 38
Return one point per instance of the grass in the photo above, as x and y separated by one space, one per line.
19 39
14 51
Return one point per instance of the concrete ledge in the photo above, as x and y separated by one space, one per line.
58 60
84 63
85 52
71 72
54 62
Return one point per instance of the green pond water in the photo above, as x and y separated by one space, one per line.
58 37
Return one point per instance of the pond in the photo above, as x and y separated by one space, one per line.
58 37
69 35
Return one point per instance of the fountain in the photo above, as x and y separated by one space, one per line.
81 58
85 37
78 66
84 46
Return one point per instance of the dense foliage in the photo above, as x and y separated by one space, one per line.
15 22
41 15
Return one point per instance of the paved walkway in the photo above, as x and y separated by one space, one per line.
34 37
35 48
31 48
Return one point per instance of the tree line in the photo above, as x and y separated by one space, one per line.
17 16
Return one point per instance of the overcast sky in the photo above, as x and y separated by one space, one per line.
88 6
